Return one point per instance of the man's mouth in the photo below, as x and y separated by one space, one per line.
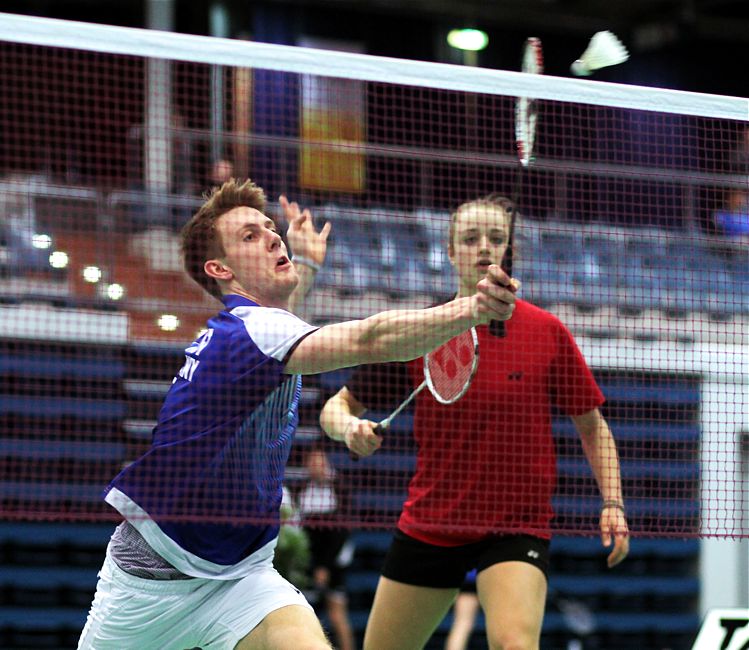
282 261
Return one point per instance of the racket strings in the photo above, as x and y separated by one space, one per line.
450 368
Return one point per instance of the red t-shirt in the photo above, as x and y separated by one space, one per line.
486 464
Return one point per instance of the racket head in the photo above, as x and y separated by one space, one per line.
449 370
526 108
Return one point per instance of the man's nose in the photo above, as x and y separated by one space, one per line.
275 240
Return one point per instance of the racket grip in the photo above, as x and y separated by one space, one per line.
497 328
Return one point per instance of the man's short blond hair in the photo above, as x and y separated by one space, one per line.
201 241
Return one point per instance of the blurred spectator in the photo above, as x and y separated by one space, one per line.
18 225
733 221
221 171
465 611
292 554
330 547
152 210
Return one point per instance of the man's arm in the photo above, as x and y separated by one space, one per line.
600 449
401 335
308 248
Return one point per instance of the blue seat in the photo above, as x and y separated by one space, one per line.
49 577
334 380
591 546
669 470
55 534
373 540
347 262
42 619
46 450
63 407
664 432
381 461
660 509
400 263
53 493
57 367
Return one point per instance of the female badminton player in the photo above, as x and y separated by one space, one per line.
481 494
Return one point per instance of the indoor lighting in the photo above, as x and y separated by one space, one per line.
472 40
40 240
168 322
115 291
92 274
58 260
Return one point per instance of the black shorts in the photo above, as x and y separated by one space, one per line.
416 563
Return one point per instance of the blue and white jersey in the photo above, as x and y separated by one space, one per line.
206 495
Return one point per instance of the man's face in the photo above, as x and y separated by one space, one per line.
480 239
255 261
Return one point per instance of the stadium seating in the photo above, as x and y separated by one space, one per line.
399 255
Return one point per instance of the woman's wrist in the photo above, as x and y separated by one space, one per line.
612 503
353 420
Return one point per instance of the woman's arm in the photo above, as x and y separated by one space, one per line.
340 418
600 450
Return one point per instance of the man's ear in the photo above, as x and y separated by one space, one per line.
217 270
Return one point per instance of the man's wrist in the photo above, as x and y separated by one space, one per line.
306 261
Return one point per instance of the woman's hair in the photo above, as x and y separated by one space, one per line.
494 200
200 240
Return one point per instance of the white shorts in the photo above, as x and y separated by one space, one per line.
131 613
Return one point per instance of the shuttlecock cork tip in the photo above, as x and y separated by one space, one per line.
604 49
579 69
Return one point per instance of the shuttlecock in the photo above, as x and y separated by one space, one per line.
604 49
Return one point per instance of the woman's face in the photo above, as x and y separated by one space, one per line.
479 239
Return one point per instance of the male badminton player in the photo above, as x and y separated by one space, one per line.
485 473
191 566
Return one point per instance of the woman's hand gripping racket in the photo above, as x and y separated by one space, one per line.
448 372
526 116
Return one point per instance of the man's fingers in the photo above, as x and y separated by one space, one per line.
499 277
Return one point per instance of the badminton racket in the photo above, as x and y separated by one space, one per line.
526 117
448 373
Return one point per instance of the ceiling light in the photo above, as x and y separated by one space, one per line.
472 40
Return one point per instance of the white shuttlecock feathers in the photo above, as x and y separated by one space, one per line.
604 49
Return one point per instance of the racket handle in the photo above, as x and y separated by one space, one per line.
497 328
